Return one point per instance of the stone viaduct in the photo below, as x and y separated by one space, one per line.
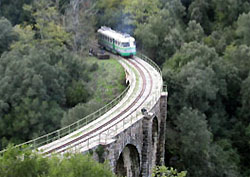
138 148
141 146
129 132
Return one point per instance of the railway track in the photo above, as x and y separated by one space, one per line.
82 141
98 128
131 106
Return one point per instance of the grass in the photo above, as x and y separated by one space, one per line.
107 81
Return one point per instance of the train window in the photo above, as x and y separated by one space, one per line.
125 44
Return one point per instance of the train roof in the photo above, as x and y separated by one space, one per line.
116 35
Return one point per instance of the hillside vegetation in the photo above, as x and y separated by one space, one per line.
29 164
46 80
203 47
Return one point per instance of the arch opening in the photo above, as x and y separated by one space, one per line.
128 163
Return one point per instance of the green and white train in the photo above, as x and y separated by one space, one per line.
116 42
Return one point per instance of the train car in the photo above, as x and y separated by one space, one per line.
116 42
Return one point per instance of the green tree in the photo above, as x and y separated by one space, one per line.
63 5
47 22
226 12
195 140
7 35
167 172
203 83
111 13
33 88
199 11
76 93
161 36
76 165
220 39
194 32
80 21
197 153
245 100
141 10
239 57
190 52
13 11
15 163
243 26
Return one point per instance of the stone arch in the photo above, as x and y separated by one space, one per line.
128 163
155 130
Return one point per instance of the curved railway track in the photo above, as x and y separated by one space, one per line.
107 125
144 91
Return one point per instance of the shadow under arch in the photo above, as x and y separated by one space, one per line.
128 163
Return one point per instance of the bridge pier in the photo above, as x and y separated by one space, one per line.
146 148
161 143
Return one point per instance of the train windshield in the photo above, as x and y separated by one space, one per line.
125 44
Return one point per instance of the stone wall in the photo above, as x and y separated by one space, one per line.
138 139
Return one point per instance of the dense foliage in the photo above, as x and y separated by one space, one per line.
14 163
162 171
203 47
45 71
205 50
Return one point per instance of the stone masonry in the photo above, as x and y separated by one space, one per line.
138 149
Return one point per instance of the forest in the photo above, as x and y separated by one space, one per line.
202 46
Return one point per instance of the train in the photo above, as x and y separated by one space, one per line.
119 43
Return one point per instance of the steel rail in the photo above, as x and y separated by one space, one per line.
50 137
116 117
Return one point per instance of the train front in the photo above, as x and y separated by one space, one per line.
129 47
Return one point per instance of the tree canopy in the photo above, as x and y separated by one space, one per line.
7 35
15 163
